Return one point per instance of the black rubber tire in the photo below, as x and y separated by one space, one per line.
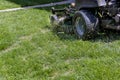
85 24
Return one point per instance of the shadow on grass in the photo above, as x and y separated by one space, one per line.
23 3
106 37
61 35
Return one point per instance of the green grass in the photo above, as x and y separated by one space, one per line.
31 50
4 4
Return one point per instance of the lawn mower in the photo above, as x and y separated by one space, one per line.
87 17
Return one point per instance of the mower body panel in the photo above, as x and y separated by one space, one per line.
89 3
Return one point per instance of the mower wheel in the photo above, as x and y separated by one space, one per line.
85 24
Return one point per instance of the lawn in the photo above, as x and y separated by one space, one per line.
31 50
4 4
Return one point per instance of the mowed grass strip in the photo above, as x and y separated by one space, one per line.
6 4
31 50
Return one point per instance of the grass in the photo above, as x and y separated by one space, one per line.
4 4
31 50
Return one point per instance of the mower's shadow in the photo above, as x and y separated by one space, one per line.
64 36
108 36
61 35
